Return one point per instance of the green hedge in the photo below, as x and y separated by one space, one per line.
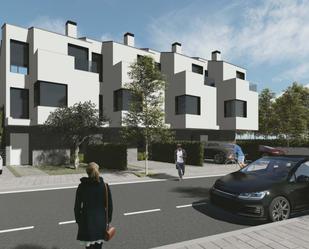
164 152
251 147
108 156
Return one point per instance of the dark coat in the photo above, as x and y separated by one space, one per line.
184 154
89 209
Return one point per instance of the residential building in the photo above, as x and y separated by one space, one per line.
41 70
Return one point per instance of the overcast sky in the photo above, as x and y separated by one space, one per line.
269 38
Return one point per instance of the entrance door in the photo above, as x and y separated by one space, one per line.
19 148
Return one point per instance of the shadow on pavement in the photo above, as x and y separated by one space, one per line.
193 192
218 213
163 176
32 246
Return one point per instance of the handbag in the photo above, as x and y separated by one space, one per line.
110 230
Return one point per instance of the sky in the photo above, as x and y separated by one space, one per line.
270 38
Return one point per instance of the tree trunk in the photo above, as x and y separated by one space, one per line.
76 157
146 158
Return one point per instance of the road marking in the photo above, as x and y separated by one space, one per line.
192 205
142 212
67 222
111 183
16 229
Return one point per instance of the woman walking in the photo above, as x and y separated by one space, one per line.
89 209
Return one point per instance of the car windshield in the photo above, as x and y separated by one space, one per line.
276 167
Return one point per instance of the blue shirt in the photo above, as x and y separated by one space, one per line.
238 150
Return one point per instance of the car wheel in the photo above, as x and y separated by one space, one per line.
279 209
219 158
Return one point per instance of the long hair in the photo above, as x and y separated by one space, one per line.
93 171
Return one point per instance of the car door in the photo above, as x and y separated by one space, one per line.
299 192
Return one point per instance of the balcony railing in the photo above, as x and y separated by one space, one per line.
209 81
253 87
85 65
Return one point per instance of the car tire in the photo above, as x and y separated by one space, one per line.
279 209
219 158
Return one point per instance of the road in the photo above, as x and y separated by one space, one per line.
145 215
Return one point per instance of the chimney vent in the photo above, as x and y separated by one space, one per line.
176 47
128 39
216 55
71 29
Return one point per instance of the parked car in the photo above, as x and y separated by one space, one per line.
269 188
270 151
219 152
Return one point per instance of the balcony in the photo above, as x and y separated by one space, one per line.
209 81
85 65
253 87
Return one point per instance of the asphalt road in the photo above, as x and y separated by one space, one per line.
167 216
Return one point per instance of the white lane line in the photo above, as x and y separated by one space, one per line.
111 183
192 205
67 222
142 212
16 229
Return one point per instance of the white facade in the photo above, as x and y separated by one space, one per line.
50 64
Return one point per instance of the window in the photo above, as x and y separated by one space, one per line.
158 66
19 52
97 65
122 98
81 56
235 108
206 73
303 170
197 69
186 104
240 75
101 106
50 94
19 103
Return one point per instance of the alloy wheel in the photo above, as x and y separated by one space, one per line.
279 209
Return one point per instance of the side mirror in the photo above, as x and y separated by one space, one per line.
302 178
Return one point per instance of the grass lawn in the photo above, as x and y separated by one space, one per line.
63 169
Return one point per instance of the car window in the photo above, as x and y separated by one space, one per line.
303 169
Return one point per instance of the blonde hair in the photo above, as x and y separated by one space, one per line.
93 171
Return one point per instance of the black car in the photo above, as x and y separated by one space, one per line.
269 188
219 152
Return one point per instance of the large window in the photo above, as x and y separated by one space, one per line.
122 99
235 108
240 75
97 65
187 104
81 56
197 69
19 103
50 94
19 52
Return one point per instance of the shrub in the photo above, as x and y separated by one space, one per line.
108 156
164 152
141 156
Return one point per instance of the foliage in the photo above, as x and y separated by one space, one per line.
266 112
1 124
145 117
75 124
292 113
109 156
164 152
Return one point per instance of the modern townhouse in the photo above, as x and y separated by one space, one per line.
42 70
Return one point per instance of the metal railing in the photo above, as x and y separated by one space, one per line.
252 87
85 65
209 81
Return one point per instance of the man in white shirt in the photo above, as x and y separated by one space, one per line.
180 156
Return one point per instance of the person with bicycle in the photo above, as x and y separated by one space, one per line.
239 155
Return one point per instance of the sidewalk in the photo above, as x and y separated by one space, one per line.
292 233
33 178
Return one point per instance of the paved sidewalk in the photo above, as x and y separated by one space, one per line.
288 234
34 178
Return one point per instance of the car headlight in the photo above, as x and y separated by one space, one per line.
253 196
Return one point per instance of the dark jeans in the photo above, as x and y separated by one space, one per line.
95 246
181 169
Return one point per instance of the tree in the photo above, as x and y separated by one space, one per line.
1 124
75 124
145 117
266 112
293 113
